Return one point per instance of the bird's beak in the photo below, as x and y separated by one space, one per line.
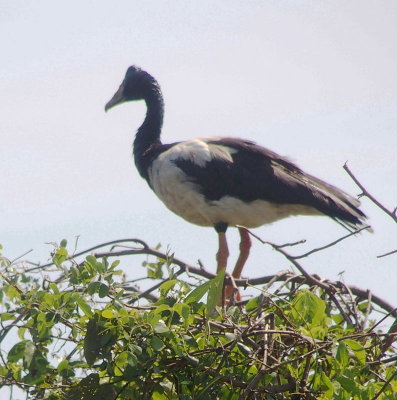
118 98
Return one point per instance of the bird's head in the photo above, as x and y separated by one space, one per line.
137 85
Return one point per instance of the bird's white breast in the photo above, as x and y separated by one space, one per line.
183 197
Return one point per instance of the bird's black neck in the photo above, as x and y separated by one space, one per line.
148 135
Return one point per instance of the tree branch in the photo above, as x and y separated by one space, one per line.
391 214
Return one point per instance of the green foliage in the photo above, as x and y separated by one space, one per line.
82 334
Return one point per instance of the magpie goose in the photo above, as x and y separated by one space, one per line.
224 181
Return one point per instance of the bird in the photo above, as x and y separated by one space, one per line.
223 182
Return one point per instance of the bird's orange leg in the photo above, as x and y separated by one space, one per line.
221 258
223 252
245 246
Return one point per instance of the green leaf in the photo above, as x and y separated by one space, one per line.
357 349
22 350
190 341
308 308
162 307
30 349
342 355
349 385
3 371
21 332
17 351
105 338
156 343
167 286
54 288
196 295
182 309
161 327
308 311
83 305
253 304
7 316
135 349
90 389
121 359
92 260
323 383
48 298
154 270
103 290
95 339
11 292
215 291
60 256
132 360
94 266
108 313
64 364
114 264
93 287
159 396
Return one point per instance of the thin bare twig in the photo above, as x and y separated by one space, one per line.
391 214
332 243
22 255
387 254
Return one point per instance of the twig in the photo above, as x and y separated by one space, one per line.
290 258
6 329
149 251
387 254
385 361
383 388
141 242
365 193
22 255
267 338
332 243
340 308
305 372
382 319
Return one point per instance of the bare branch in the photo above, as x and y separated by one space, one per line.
391 214
387 254
332 243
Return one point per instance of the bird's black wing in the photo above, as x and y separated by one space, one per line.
253 173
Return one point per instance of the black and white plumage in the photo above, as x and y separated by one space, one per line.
222 181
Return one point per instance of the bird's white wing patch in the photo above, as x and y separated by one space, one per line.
198 151
222 152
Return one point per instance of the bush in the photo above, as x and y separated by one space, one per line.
81 330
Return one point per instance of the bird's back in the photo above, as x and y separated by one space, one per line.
238 182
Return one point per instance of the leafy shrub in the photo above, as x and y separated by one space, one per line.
81 330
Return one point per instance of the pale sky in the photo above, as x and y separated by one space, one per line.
315 81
